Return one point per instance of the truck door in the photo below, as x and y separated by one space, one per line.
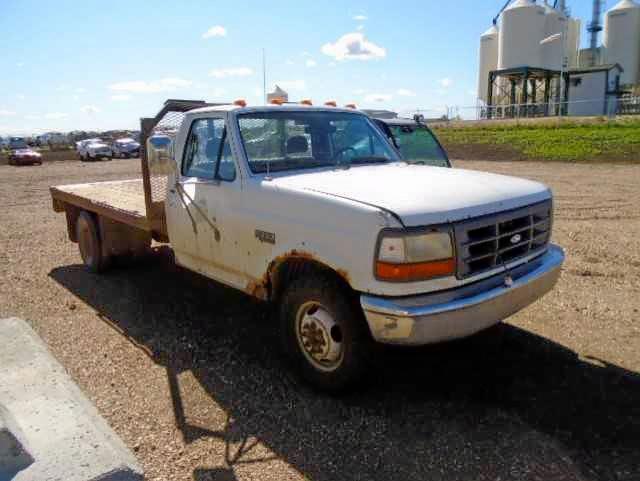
199 206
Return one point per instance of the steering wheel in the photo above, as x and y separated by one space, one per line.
342 151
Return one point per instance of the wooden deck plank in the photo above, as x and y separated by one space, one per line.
121 200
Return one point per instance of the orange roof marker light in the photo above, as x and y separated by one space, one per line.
306 102
277 101
331 103
240 102
351 106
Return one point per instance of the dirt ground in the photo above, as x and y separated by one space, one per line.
188 374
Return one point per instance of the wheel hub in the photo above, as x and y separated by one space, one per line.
320 337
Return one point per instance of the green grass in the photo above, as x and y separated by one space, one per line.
566 141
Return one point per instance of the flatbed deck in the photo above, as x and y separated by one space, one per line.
120 200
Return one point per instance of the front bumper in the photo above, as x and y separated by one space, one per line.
462 311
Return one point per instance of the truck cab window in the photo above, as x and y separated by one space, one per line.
419 146
227 168
202 150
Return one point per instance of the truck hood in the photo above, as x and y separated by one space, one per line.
422 195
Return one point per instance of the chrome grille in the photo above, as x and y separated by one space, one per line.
491 241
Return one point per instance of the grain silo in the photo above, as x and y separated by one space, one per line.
622 40
522 29
573 41
554 52
488 60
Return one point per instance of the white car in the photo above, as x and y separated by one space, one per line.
125 148
316 211
93 149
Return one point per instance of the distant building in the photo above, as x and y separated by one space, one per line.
594 90
278 94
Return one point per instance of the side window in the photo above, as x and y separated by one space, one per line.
227 168
203 148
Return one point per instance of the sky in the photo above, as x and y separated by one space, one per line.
84 65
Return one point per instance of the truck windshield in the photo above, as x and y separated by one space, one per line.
418 145
283 140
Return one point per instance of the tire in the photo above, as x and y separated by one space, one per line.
312 308
90 244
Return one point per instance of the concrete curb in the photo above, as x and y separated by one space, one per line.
61 429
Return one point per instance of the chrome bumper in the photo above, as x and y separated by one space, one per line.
463 311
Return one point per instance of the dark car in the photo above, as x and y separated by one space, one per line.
25 157
415 141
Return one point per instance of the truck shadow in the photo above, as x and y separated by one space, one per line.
531 410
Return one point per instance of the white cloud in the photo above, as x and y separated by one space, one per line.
406 93
359 91
89 109
292 84
331 64
289 61
306 54
378 98
310 63
231 72
20 97
139 86
6 113
353 46
360 28
218 92
446 82
215 31
360 18
81 90
121 97
20 64
56 115
33 117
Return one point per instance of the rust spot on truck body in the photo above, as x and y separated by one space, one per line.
264 287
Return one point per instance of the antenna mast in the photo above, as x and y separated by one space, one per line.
264 76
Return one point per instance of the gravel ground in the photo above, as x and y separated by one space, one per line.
186 372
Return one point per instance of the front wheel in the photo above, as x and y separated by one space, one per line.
323 332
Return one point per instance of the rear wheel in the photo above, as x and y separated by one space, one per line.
89 243
323 332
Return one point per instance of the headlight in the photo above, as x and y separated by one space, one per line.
414 257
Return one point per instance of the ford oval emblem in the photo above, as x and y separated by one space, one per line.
515 239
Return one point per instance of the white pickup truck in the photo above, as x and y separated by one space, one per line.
315 210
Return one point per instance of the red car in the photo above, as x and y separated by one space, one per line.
25 157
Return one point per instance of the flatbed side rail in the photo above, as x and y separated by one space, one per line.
160 132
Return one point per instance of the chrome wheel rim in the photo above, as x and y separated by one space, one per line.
319 337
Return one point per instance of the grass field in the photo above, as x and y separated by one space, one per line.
566 141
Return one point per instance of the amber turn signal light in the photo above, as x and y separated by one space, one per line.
414 272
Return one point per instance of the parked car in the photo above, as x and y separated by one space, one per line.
314 210
25 157
16 143
125 148
93 149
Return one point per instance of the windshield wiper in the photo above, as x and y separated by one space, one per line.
369 160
